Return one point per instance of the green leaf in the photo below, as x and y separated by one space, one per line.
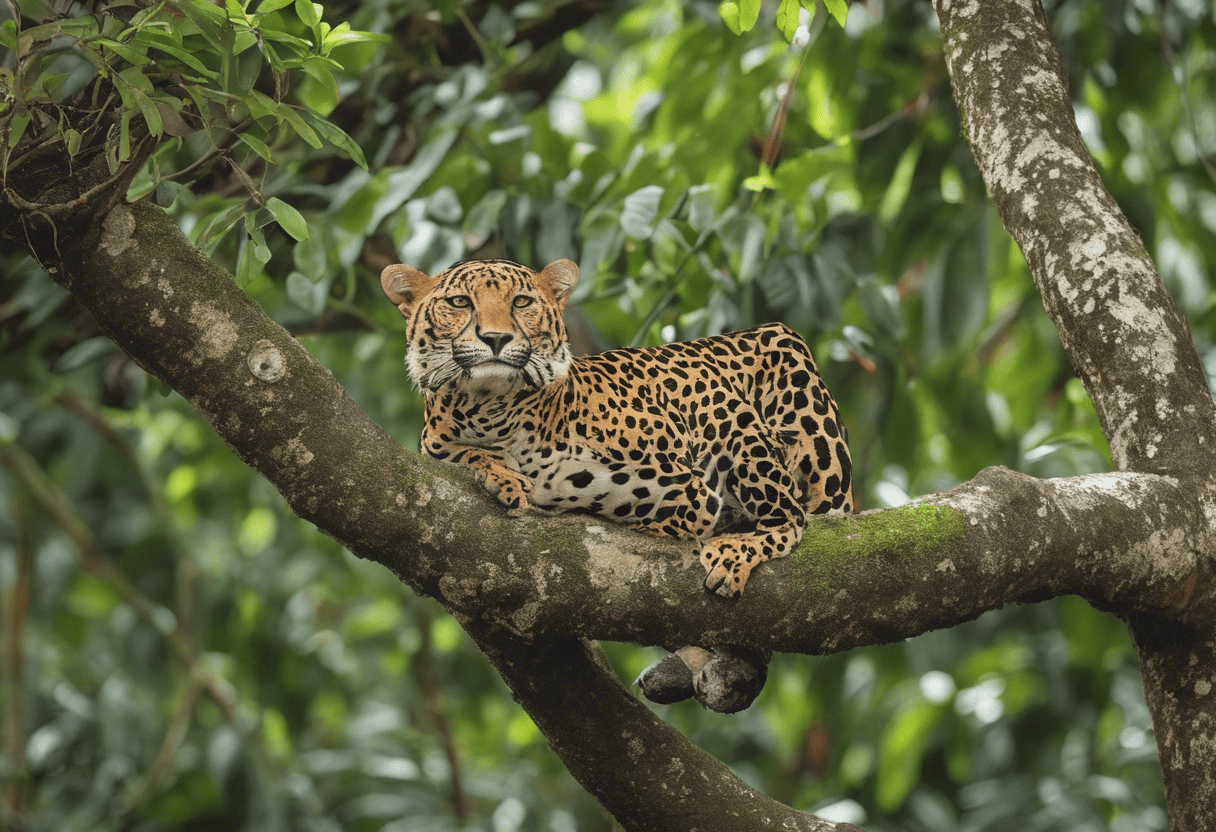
640 211
124 136
122 50
289 114
236 12
148 110
838 9
901 182
701 214
822 111
16 127
269 6
86 352
166 45
762 181
293 221
342 35
220 225
259 147
740 15
901 751
729 12
247 265
209 20
787 17
301 46
136 80
880 303
308 12
306 294
336 136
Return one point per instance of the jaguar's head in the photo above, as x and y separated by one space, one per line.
491 327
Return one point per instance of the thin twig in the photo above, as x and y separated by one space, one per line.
183 715
424 673
13 700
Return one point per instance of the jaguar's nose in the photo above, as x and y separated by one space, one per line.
496 340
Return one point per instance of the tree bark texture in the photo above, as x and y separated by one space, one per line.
532 592
1127 340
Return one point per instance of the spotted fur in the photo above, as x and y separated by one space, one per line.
676 440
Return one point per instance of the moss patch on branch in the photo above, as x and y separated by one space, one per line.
832 547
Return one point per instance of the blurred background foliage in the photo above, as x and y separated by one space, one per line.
180 652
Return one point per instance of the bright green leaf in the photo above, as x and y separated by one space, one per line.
288 114
901 751
901 182
701 214
148 110
308 12
839 9
787 17
762 181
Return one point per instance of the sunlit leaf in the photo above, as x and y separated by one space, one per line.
839 9
901 183
740 15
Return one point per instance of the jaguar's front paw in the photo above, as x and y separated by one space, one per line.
510 488
727 565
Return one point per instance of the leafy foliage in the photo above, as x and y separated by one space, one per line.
181 652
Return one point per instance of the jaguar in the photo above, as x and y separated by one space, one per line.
732 440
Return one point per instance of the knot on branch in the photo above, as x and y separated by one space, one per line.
266 362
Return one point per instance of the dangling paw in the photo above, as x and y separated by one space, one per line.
668 680
725 679
731 680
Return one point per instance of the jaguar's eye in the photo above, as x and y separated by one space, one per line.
521 301
459 301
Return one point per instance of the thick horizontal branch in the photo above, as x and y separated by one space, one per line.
1126 338
878 577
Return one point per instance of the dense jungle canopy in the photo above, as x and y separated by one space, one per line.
181 652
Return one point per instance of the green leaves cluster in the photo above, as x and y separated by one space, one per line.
174 74
741 15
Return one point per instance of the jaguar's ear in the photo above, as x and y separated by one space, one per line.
559 279
405 286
